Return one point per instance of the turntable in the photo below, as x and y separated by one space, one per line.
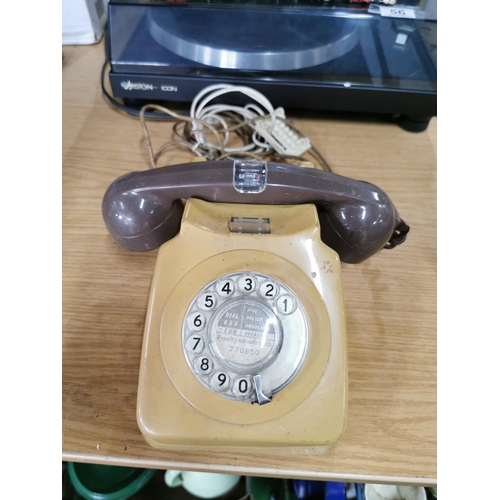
303 54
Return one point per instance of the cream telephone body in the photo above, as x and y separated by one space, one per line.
245 336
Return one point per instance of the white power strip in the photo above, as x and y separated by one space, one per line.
281 137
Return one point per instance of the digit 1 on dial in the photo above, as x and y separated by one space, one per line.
286 304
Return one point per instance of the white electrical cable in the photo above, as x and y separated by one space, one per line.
200 110
264 130
263 145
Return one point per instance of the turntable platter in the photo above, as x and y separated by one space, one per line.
249 40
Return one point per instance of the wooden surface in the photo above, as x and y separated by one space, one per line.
390 299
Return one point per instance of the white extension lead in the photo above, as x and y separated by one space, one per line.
269 133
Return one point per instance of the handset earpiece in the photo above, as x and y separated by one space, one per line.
358 227
142 210
140 219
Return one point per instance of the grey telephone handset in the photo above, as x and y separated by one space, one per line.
142 210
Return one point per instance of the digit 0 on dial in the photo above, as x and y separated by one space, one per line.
245 336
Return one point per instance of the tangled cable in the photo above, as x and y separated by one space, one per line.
209 129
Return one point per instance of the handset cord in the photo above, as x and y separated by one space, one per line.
398 236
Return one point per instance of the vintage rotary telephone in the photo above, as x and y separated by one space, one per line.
245 336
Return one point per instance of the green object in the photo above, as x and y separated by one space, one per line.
107 482
263 488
